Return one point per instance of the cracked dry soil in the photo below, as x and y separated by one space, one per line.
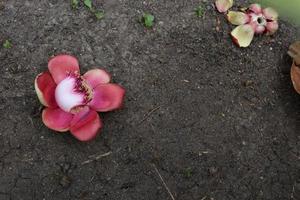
217 121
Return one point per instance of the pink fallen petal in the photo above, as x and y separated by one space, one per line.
96 76
237 18
61 66
80 114
260 29
107 97
243 35
270 13
256 8
85 125
272 27
57 119
223 5
45 89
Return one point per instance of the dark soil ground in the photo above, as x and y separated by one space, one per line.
217 122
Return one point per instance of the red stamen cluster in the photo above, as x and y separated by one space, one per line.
82 87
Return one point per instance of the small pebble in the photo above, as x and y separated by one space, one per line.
65 181
248 83
213 170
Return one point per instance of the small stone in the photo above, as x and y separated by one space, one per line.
2 6
213 170
248 83
65 181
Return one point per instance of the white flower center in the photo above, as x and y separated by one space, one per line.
259 19
72 93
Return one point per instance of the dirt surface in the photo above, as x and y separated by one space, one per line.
216 122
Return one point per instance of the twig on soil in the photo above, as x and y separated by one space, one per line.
149 113
31 121
293 191
164 183
95 158
218 24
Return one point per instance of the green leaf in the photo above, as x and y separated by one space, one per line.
7 44
88 3
188 172
148 20
99 14
74 4
199 11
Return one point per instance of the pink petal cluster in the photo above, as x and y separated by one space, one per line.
72 101
262 20
251 21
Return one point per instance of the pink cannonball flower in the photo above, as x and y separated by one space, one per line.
73 100
255 20
250 21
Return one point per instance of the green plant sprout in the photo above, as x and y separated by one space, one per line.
7 44
88 3
199 11
74 4
148 20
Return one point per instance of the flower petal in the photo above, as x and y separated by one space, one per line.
243 35
256 8
295 76
79 115
270 13
107 97
61 66
57 119
97 76
85 124
237 18
272 27
45 89
294 52
259 29
224 5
